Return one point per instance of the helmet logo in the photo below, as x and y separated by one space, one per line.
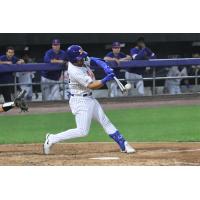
81 51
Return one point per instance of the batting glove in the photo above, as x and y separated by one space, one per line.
109 77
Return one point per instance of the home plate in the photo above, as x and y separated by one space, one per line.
105 158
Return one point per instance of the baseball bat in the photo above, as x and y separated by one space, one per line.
121 86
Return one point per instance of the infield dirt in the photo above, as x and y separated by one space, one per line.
80 154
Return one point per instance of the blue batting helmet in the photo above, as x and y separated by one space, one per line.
75 53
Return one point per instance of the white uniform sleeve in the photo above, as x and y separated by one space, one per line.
82 79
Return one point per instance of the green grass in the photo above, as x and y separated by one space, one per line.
180 123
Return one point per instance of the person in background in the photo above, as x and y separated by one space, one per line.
173 85
117 56
50 89
134 76
192 71
25 78
8 78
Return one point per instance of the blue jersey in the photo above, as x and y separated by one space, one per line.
141 54
8 76
14 59
118 56
49 55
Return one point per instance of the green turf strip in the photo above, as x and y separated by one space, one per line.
175 123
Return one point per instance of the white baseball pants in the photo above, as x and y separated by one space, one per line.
85 109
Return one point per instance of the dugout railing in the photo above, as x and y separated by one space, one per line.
154 64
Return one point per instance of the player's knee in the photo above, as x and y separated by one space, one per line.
83 132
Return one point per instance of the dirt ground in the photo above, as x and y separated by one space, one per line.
101 154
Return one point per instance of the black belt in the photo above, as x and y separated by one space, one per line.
82 95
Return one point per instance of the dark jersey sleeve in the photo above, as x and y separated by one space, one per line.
47 57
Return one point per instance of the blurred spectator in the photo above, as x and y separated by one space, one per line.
50 89
8 78
195 67
192 71
117 56
139 52
173 85
26 77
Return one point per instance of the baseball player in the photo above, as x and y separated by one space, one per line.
50 89
173 85
7 78
139 52
117 56
83 105
25 78
18 102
